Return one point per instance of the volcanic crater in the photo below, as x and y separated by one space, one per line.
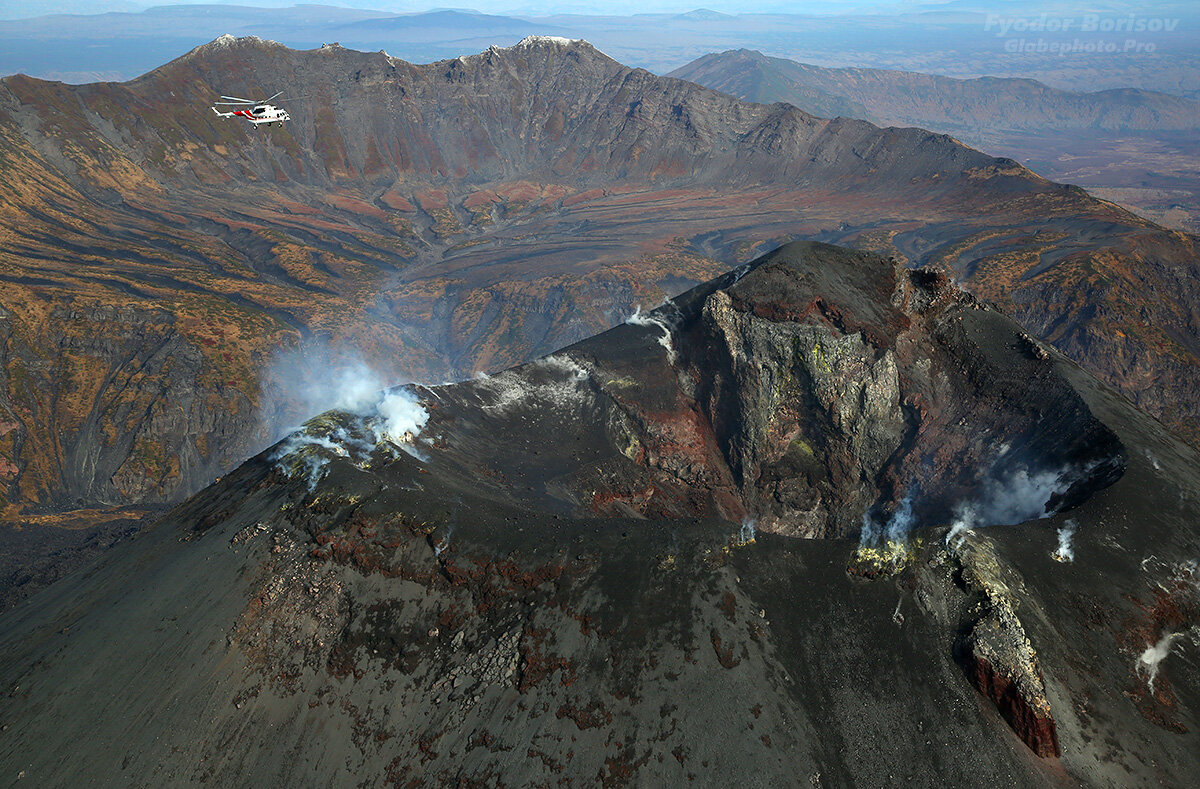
463 216
593 567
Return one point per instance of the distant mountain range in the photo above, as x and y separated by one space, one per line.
972 107
1135 146
954 39
462 216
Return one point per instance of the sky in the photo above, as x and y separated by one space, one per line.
30 8
13 9
543 7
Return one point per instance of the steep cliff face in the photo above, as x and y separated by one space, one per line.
548 575
839 384
466 215
136 409
796 398
813 391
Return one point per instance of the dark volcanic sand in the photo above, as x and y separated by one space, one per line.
426 622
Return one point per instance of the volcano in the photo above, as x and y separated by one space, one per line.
463 216
641 560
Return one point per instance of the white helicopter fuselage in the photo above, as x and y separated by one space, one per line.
258 114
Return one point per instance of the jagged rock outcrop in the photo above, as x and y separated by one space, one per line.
994 649
839 387
808 417
806 392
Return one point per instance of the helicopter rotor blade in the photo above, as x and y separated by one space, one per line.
241 100
277 95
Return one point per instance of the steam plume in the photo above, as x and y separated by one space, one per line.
902 520
638 318
317 376
442 543
1012 497
1154 655
1065 553
350 413
897 528
748 530
389 424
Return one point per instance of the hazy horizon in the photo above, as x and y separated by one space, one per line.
537 8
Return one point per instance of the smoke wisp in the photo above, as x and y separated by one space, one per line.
639 318
1180 585
382 428
442 543
349 410
1064 552
896 529
1012 497
1154 655
748 531
318 376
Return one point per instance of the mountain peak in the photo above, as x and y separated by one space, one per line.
703 15
547 41
614 487
228 40
547 47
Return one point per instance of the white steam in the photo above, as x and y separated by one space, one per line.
902 521
1064 552
1183 580
315 377
443 542
965 519
390 423
1154 655
401 416
748 531
306 455
1014 497
897 528
349 410
639 318
1020 496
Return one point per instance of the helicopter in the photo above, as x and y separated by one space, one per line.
257 112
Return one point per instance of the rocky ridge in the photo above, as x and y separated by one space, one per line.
902 98
465 215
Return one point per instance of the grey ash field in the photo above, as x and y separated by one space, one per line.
557 585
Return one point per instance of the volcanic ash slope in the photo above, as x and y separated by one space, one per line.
600 567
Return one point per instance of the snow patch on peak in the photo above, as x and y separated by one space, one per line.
530 41
229 40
